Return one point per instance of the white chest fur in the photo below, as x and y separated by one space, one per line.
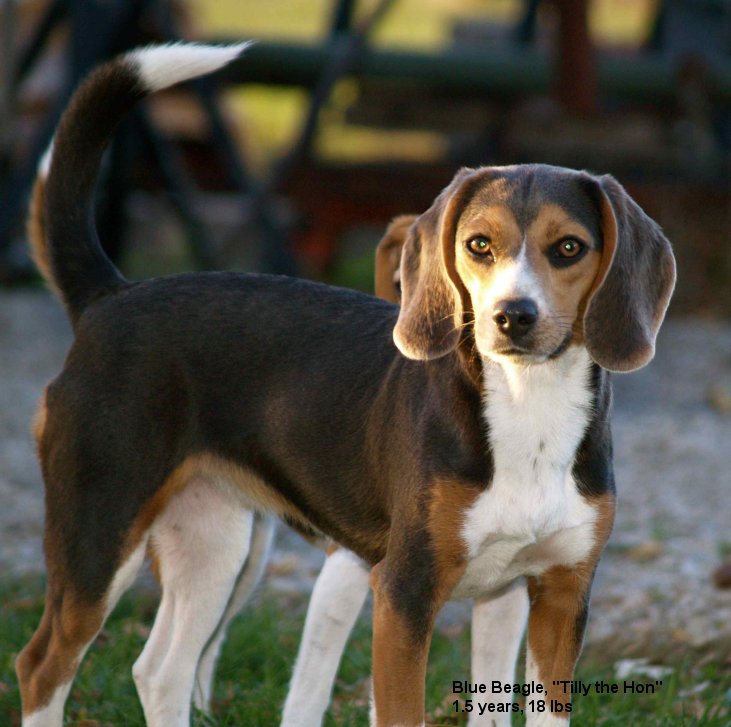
532 516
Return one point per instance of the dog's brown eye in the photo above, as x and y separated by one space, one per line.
566 252
569 247
480 246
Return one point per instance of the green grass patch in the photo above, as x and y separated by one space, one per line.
255 668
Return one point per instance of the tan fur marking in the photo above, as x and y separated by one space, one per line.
30 658
499 225
388 258
450 501
51 657
557 598
154 560
38 424
399 664
497 222
36 230
568 289
208 466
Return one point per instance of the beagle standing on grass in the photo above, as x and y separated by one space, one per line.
456 445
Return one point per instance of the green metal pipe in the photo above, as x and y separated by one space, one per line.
497 73
291 64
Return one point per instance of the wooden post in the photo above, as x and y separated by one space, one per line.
576 75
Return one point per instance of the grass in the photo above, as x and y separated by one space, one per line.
255 668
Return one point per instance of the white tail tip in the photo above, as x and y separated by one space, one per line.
161 66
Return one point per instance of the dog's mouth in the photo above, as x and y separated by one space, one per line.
514 351
529 353
543 343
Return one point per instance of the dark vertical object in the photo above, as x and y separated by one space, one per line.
94 37
343 17
180 188
54 13
576 70
276 254
345 48
100 29
93 24
7 44
525 30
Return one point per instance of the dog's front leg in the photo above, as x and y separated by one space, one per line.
559 607
406 598
559 600
400 650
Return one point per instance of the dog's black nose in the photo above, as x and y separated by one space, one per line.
515 318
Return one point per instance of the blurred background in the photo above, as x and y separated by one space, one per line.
349 112
344 114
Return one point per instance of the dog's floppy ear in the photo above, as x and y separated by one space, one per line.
388 258
633 286
430 320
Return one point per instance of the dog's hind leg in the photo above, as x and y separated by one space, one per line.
336 601
246 583
93 550
47 665
201 541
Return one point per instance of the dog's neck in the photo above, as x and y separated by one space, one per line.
523 380
538 411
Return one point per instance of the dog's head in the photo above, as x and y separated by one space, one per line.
537 259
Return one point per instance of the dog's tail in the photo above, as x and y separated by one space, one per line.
61 226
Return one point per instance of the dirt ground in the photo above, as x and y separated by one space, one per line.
672 428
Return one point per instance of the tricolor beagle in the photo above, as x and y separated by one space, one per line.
455 445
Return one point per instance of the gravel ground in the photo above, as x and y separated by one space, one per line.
672 427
